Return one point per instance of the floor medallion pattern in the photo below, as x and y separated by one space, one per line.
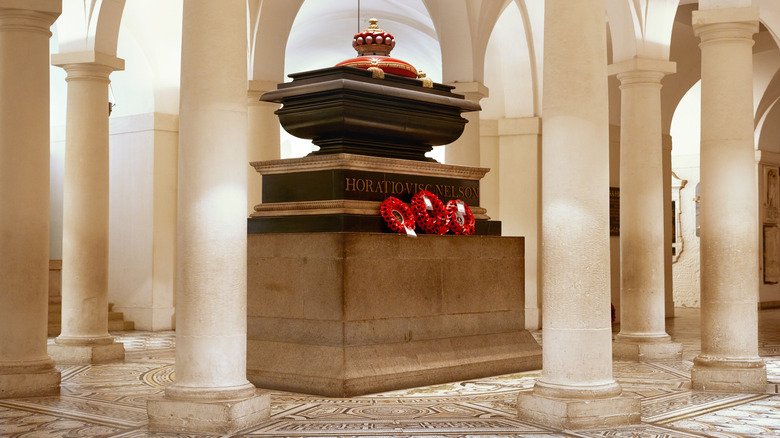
110 400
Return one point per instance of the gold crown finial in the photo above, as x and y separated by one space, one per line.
373 24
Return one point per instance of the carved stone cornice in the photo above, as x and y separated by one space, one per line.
368 163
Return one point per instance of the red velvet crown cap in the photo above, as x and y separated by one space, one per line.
373 46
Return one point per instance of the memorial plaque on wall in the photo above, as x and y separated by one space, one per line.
614 211
772 195
771 254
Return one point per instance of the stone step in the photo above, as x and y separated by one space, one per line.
116 320
116 325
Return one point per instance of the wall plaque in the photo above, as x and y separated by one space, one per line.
771 255
614 211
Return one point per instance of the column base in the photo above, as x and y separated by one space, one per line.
646 351
578 414
227 417
32 384
86 354
729 378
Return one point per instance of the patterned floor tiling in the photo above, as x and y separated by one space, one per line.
67 372
141 340
16 423
384 428
638 431
489 385
647 371
144 433
773 369
87 409
758 418
110 401
649 391
665 410
392 411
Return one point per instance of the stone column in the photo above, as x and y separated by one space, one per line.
85 338
25 368
729 205
465 150
666 141
211 394
263 137
642 214
576 389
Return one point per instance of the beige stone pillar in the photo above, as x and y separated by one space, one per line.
729 205
263 133
85 338
465 150
576 389
25 368
642 240
211 393
666 141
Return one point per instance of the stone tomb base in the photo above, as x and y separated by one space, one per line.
344 314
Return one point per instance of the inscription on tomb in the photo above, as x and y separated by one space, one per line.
364 185
399 188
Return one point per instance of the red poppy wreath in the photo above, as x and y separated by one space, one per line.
397 215
460 217
430 214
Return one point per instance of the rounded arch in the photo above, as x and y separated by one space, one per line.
684 52
270 23
641 28
90 25
766 90
512 74
464 29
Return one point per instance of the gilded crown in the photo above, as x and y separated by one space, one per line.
373 41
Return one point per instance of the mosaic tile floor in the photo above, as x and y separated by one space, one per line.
110 400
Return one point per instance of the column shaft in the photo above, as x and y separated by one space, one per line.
729 204
575 190
211 393
25 368
85 337
577 388
642 239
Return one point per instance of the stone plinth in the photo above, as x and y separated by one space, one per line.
646 351
41 382
343 314
578 413
207 417
729 375
86 354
